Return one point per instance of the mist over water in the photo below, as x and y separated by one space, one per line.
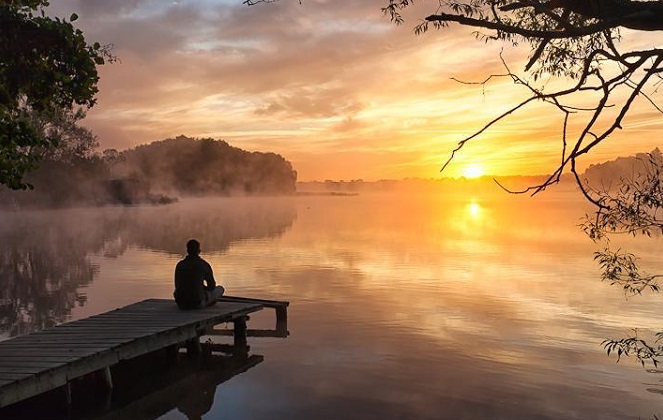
49 257
403 305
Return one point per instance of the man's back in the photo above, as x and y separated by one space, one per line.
189 276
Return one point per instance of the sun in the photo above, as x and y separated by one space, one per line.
473 170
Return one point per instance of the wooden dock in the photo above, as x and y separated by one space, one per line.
36 363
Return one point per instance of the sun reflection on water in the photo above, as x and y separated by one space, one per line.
474 209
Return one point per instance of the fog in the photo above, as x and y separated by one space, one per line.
157 173
609 176
45 255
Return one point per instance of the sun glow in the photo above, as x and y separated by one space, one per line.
473 171
474 209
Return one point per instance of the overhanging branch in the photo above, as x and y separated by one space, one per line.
646 63
565 32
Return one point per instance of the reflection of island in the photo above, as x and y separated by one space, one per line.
43 263
216 223
44 256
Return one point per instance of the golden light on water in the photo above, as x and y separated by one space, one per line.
474 209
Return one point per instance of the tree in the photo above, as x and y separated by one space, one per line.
577 42
75 143
47 70
71 173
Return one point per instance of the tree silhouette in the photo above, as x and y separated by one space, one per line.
47 68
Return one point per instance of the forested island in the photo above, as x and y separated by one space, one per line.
156 173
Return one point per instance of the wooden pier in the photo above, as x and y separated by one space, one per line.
36 363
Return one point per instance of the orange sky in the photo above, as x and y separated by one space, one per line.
331 85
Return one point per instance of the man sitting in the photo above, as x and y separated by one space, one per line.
194 281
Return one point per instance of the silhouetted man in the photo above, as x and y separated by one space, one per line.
194 281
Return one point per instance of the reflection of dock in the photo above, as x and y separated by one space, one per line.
189 388
34 364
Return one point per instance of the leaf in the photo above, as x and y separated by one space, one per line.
73 17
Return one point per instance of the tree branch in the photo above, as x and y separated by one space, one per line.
568 32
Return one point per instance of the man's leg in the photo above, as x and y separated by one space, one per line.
217 292
214 294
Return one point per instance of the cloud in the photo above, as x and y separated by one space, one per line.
313 103
115 8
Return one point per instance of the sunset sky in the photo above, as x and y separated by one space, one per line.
331 85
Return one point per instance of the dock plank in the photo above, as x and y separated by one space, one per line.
6 376
39 362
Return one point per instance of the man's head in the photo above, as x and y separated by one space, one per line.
193 247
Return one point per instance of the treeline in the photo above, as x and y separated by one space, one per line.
612 174
155 173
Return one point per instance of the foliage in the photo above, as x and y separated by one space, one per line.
635 206
636 347
68 174
620 268
47 70
75 142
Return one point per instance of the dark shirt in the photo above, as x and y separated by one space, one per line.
193 276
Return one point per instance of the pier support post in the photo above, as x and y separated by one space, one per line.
281 314
67 393
171 353
282 320
239 333
107 378
193 347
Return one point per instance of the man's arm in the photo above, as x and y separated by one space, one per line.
209 277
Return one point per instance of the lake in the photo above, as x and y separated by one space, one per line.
455 304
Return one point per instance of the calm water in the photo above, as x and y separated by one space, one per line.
403 306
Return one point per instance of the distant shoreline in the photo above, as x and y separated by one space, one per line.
334 193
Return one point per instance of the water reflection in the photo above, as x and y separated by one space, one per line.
43 263
147 387
45 255
216 223
189 389
408 306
